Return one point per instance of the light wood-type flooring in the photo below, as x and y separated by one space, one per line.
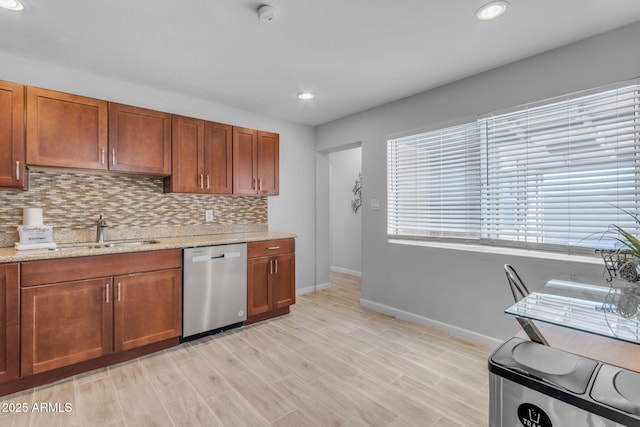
329 363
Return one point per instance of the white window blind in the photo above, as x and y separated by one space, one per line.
552 176
434 184
559 174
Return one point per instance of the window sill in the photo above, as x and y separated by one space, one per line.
496 250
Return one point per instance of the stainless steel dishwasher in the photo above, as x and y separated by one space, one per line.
214 289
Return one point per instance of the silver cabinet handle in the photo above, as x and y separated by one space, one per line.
201 181
272 248
102 153
259 185
107 293
119 286
253 185
208 182
17 170
276 261
113 156
270 266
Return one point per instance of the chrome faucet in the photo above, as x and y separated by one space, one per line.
101 230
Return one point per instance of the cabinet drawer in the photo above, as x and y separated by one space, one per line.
48 271
270 247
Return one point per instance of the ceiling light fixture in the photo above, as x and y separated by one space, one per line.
305 96
492 10
11 4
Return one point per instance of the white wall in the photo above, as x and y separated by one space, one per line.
346 225
465 292
293 210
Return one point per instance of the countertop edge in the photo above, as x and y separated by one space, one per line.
10 255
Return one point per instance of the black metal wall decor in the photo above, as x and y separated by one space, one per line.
357 192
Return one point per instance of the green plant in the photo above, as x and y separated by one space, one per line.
629 244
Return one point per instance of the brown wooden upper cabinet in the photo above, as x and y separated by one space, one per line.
12 161
201 156
65 130
256 162
139 140
71 131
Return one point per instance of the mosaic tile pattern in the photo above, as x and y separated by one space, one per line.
73 201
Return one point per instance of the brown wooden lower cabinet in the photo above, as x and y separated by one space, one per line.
9 322
271 285
147 308
260 289
75 321
65 323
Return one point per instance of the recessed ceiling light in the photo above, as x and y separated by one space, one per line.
305 96
492 10
11 4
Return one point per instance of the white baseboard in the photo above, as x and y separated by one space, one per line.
345 271
431 323
309 289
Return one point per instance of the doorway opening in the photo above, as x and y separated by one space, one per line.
345 217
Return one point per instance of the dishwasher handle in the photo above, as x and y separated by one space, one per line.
202 258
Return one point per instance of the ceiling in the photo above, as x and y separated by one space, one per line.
353 54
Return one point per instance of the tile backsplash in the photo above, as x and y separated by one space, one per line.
132 206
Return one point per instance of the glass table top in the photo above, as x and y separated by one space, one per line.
586 303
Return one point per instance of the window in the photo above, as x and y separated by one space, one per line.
551 176
434 184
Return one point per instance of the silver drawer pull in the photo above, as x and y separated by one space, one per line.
107 293
273 248
17 171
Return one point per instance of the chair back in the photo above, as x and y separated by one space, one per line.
519 290
517 286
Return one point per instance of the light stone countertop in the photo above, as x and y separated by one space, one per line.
11 255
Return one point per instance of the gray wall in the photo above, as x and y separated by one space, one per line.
346 225
293 210
462 291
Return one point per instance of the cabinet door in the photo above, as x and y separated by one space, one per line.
259 287
9 323
12 145
139 140
244 161
148 308
65 130
268 163
187 156
218 158
65 323
284 287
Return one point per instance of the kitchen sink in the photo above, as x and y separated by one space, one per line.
128 243
98 245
